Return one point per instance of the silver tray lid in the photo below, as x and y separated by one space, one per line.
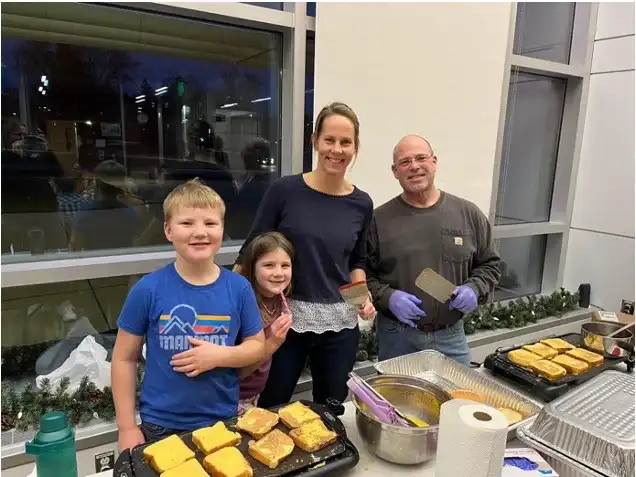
594 424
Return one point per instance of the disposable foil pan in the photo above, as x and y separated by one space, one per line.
593 424
448 373
562 464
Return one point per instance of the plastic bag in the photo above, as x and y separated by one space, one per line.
56 355
88 359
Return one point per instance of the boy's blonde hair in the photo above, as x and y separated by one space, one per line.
192 194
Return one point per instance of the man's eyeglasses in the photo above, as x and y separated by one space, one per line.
419 160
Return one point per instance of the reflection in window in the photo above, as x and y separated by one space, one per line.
96 133
544 30
522 260
530 144
272 5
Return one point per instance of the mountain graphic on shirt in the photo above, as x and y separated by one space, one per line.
184 320
175 325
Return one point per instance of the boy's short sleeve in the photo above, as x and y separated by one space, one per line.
135 314
251 321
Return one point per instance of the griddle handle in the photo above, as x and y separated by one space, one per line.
335 406
123 465
626 345
335 424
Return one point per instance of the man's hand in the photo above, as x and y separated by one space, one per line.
366 311
279 328
130 438
464 299
203 356
405 307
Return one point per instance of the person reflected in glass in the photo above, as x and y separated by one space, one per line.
111 220
202 163
326 218
259 174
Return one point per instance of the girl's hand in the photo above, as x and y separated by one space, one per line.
203 356
279 328
366 311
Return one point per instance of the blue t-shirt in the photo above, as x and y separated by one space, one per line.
166 309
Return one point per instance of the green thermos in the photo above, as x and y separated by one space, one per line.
54 447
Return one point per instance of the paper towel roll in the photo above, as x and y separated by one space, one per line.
471 441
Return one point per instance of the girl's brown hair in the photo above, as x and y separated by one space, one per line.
259 246
341 109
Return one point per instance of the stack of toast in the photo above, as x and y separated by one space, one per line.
171 457
555 358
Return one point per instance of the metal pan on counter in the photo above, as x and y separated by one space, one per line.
595 337
591 427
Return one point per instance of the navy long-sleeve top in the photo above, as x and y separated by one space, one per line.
328 233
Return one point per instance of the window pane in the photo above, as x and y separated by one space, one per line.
272 5
311 9
544 30
522 260
530 145
97 132
308 149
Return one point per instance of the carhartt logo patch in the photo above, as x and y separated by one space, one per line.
459 241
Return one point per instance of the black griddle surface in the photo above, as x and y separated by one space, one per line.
340 454
499 364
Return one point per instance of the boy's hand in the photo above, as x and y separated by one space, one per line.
130 438
203 356
279 328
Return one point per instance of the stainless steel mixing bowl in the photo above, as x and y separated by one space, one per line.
414 397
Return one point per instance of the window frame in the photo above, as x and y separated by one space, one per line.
293 23
577 75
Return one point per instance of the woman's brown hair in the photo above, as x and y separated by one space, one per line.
341 109
262 245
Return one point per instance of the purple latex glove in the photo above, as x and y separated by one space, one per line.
404 306
464 299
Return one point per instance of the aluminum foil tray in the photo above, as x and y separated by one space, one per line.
562 464
593 424
446 372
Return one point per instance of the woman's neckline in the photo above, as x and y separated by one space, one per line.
304 181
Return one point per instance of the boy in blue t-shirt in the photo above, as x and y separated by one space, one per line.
192 314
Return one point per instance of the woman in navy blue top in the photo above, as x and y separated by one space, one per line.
326 218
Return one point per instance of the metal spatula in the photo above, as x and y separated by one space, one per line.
435 285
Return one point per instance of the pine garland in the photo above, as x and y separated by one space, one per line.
23 410
492 316
520 312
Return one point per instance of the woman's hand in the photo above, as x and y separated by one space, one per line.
366 311
279 328
203 356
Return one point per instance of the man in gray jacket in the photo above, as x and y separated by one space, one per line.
425 227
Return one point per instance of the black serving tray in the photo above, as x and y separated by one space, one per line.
499 364
340 455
